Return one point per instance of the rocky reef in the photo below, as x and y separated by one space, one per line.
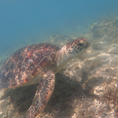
87 86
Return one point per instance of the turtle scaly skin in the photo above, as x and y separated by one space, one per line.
38 60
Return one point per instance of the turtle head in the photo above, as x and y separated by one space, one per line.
76 46
71 49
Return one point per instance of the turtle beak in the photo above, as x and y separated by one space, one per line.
87 44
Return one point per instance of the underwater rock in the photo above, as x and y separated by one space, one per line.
86 89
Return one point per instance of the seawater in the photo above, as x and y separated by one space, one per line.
87 80
28 22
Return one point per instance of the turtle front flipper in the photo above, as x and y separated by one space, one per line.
42 95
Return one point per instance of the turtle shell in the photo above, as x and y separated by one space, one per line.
26 62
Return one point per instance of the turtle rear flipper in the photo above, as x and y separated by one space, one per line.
42 95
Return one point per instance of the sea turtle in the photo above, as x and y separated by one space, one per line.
36 60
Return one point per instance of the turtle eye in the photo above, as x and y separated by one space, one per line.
80 44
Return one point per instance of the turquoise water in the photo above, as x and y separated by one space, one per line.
25 22
88 79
